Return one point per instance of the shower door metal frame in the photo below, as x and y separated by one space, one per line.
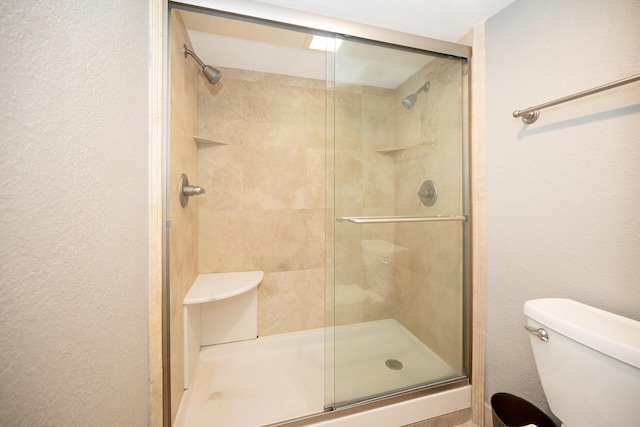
275 15
464 217
280 16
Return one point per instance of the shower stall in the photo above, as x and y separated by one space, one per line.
342 173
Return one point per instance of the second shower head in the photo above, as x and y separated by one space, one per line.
212 74
410 100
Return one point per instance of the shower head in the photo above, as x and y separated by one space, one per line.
411 99
212 74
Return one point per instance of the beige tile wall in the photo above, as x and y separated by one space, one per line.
264 208
364 185
428 276
265 202
184 159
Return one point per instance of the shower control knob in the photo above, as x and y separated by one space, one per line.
428 193
185 190
192 190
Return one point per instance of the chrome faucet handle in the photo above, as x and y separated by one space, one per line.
186 190
540 332
192 190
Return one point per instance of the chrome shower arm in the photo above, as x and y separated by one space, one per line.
188 51
212 74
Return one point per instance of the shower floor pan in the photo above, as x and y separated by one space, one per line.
281 377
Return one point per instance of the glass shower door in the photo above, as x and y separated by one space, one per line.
396 223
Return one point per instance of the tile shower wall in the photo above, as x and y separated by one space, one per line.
364 186
418 284
428 270
184 159
265 203
265 199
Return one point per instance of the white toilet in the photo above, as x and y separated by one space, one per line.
588 361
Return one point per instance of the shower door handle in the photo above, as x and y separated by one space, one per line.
399 219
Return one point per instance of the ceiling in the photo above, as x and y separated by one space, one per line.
447 20
237 44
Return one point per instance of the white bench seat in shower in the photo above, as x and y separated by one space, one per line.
219 308
217 286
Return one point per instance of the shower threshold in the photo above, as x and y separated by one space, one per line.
281 377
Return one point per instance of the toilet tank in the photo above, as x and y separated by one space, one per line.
590 366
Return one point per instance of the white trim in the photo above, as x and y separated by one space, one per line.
408 411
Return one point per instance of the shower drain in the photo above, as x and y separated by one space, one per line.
394 364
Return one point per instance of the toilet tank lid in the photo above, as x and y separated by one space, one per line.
609 333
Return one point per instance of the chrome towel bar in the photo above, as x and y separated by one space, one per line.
398 219
530 115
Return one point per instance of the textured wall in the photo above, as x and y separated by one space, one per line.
74 229
562 194
183 251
